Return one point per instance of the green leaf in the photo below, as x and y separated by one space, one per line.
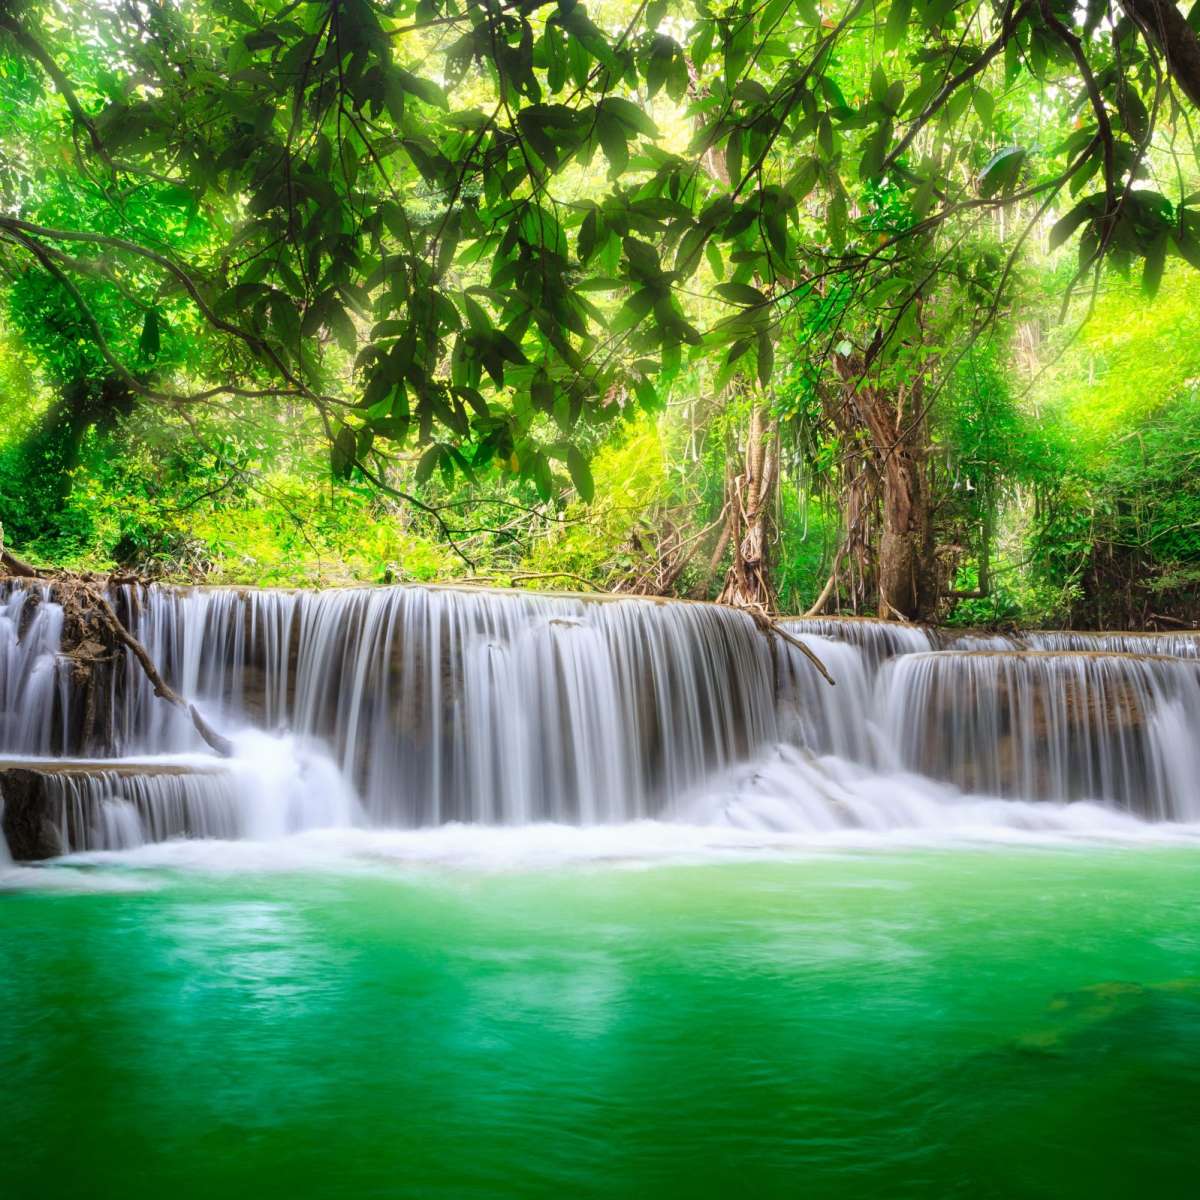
424 89
1065 226
629 114
149 343
825 136
342 327
776 227
655 11
429 460
766 358
804 180
879 84
1188 246
1156 258
476 314
715 262
733 157
691 247
1001 171
614 138
922 199
588 233
1012 59
285 322
741 293
894 99
897 23
581 474
239 10
985 106
342 454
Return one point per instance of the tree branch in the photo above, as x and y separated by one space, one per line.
42 56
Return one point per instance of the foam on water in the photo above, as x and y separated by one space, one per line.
554 730
542 847
787 804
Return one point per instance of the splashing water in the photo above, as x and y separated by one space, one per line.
410 707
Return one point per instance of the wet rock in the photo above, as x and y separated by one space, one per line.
46 811
30 833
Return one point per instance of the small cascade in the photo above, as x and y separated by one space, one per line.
271 788
1050 725
1175 645
878 640
828 720
117 810
952 640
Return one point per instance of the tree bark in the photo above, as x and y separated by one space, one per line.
1162 21
748 581
907 576
898 434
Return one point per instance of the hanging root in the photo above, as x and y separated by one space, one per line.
221 744
80 592
770 626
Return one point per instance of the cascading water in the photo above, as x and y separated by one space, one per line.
412 706
930 729
459 705
1049 724
878 640
117 810
34 686
1176 645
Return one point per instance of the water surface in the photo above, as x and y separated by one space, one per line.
977 1022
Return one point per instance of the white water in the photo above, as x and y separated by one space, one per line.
459 705
33 684
1115 728
409 707
271 788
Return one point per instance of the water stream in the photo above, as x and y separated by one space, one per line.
411 707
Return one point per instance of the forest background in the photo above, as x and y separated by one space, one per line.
860 308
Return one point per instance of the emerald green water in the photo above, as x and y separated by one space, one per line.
976 1023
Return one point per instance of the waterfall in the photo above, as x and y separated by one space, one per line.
878 640
448 704
416 706
271 788
116 810
34 684
1176 645
444 704
1051 725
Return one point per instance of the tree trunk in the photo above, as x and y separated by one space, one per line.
907 573
898 434
1164 24
748 581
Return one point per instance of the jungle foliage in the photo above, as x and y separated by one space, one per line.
316 289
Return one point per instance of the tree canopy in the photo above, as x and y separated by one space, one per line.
498 261
439 222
